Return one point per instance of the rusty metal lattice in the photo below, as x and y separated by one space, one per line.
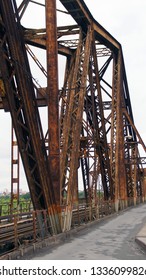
91 141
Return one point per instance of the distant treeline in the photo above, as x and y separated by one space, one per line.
6 198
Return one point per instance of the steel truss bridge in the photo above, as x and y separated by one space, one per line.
91 141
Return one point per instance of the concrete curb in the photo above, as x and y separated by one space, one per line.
140 239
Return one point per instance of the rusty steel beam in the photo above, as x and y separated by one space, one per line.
117 141
22 8
120 182
37 38
135 129
102 148
52 96
81 14
15 72
73 123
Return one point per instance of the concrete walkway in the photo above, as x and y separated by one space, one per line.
113 238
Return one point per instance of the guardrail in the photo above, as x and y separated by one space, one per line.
23 228
87 213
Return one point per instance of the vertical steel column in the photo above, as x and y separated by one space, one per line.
120 175
52 91
134 155
117 136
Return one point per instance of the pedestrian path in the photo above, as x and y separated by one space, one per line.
112 238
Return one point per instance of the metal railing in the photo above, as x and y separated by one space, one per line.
88 213
24 228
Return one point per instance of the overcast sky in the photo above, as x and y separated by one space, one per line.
126 21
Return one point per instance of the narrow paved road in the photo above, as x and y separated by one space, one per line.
113 238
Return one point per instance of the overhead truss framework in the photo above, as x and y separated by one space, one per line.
90 141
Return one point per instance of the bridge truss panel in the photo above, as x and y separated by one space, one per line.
90 141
